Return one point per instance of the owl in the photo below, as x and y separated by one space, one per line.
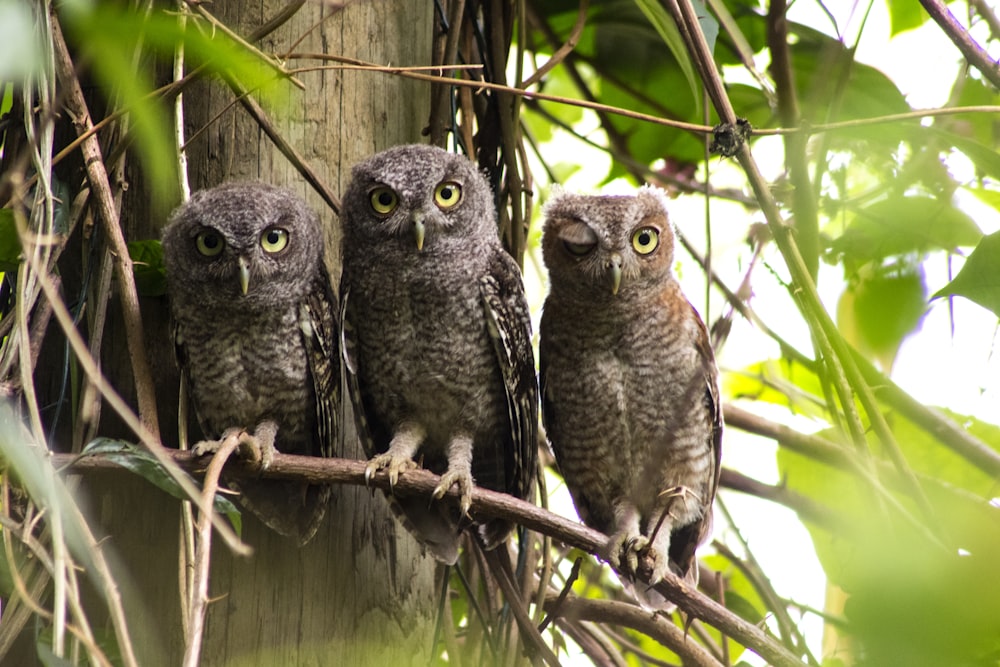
629 386
436 338
255 330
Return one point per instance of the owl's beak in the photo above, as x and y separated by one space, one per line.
244 275
419 229
615 269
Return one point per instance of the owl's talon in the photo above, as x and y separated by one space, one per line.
464 481
392 464
206 447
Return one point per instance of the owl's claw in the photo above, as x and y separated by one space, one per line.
393 464
634 556
465 483
257 449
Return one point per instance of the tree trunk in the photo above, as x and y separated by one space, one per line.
360 592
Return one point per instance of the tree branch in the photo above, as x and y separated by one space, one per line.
975 54
485 503
632 616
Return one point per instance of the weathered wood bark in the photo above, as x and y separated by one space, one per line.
360 593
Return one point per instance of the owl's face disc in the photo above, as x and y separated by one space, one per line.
238 247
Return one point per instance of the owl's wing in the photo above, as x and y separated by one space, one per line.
320 335
348 350
687 539
509 324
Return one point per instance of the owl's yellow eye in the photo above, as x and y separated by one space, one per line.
384 200
274 240
447 194
645 240
209 243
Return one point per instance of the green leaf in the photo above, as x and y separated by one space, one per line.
782 382
979 279
832 86
147 267
667 30
905 16
882 306
141 462
10 242
901 225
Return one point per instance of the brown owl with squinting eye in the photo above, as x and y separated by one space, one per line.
629 385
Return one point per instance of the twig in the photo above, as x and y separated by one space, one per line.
307 172
563 51
975 54
270 61
504 576
104 201
198 604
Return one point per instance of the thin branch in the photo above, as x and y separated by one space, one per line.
270 61
100 188
632 616
198 604
973 52
251 106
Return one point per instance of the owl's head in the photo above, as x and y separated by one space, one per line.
609 244
420 198
242 245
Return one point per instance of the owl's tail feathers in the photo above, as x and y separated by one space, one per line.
436 527
494 533
291 509
653 600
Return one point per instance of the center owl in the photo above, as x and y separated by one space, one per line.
437 338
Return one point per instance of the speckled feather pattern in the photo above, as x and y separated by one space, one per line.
269 354
418 332
629 383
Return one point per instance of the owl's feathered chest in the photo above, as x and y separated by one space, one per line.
640 362
423 347
241 372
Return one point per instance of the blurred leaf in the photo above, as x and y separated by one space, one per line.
981 127
987 196
147 266
979 279
901 225
43 646
881 307
902 584
20 53
905 16
740 595
667 29
832 86
10 242
782 382
110 36
141 462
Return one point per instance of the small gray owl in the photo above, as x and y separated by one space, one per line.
437 337
255 329
630 396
